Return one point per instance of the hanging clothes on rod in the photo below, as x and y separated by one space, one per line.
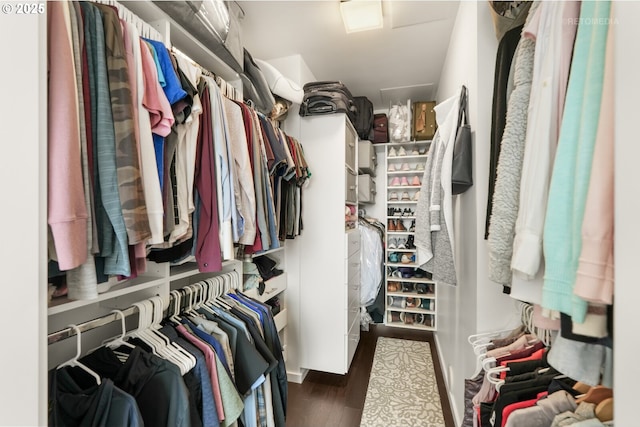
213 356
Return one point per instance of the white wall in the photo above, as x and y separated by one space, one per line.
470 307
23 359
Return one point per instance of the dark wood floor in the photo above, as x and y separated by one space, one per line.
328 400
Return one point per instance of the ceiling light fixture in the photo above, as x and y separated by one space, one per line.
361 15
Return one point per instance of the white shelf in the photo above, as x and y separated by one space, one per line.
409 280
408 157
191 269
411 295
406 143
270 251
409 172
416 310
402 202
411 326
397 264
401 250
63 304
404 187
401 217
401 232
272 287
281 319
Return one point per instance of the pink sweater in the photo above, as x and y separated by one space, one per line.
594 280
67 214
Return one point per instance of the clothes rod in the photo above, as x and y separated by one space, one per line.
87 326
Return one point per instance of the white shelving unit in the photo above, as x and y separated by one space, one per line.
406 307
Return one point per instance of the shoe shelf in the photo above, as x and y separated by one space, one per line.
411 326
403 163
407 143
409 172
409 279
409 157
410 295
404 187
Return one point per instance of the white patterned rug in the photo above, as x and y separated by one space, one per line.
402 388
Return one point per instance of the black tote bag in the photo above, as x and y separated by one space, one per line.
462 166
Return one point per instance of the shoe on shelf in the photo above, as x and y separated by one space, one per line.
423 151
412 228
407 287
393 196
392 167
392 152
415 152
421 274
410 244
393 317
394 257
405 167
420 167
415 197
422 288
406 259
393 243
395 182
404 181
402 244
397 212
415 181
407 318
405 196
400 225
401 152
391 225
393 286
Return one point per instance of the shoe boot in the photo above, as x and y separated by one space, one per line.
393 196
393 243
404 181
394 182
405 167
415 197
420 167
406 259
402 244
412 228
392 152
405 196
401 152
415 181
410 244
391 225
400 225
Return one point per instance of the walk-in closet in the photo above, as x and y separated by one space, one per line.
298 214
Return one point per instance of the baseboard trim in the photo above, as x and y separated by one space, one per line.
445 374
297 377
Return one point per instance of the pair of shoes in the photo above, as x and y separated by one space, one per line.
396 167
412 228
408 258
415 197
404 182
392 244
397 153
405 196
393 196
420 167
395 182
394 257
391 225
402 243
393 317
407 287
413 302
410 242
415 181
421 274
397 302
407 318
407 212
423 288
396 225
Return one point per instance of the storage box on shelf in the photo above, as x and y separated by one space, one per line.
410 295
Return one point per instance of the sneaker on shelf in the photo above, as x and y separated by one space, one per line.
423 151
412 228
394 257
393 196
391 225
415 197
407 287
393 243
395 182
420 167
415 152
415 181
406 259
405 196
400 225
404 181
402 243
405 167
397 212
390 211
392 152
401 152
392 167
406 212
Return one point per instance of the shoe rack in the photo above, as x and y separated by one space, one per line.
410 298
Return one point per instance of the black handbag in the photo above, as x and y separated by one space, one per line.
462 166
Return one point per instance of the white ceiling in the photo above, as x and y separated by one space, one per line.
403 60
